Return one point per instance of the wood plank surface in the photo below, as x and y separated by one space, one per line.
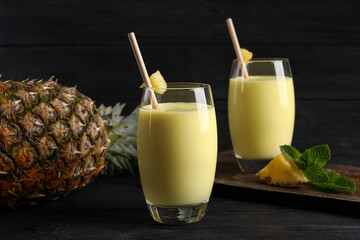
228 173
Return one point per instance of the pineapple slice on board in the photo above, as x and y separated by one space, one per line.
282 172
158 82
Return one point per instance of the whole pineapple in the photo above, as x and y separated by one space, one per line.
52 140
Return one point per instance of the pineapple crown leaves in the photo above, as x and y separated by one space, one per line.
122 133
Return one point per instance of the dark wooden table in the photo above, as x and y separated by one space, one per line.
114 208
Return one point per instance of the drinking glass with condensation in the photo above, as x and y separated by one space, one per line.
177 151
261 109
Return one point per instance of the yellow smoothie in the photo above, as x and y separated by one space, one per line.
177 153
261 115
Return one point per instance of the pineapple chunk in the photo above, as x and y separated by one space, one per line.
282 172
158 82
247 55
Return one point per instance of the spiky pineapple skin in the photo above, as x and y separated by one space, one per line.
52 141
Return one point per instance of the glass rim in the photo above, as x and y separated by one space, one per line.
182 86
255 60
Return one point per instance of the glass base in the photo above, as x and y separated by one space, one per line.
177 215
251 166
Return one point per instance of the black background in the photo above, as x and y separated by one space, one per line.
84 43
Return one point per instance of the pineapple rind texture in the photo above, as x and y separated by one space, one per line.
282 172
52 141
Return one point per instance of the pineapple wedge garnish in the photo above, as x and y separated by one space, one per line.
282 172
247 55
157 81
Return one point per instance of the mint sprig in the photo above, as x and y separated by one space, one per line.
312 161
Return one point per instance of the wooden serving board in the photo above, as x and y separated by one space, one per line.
229 174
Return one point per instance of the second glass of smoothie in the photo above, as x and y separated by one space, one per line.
261 110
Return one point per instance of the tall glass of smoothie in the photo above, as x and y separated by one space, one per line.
177 152
261 110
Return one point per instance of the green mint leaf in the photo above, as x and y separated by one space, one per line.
336 182
341 182
318 155
328 179
290 152
294 155
316 174
312 161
